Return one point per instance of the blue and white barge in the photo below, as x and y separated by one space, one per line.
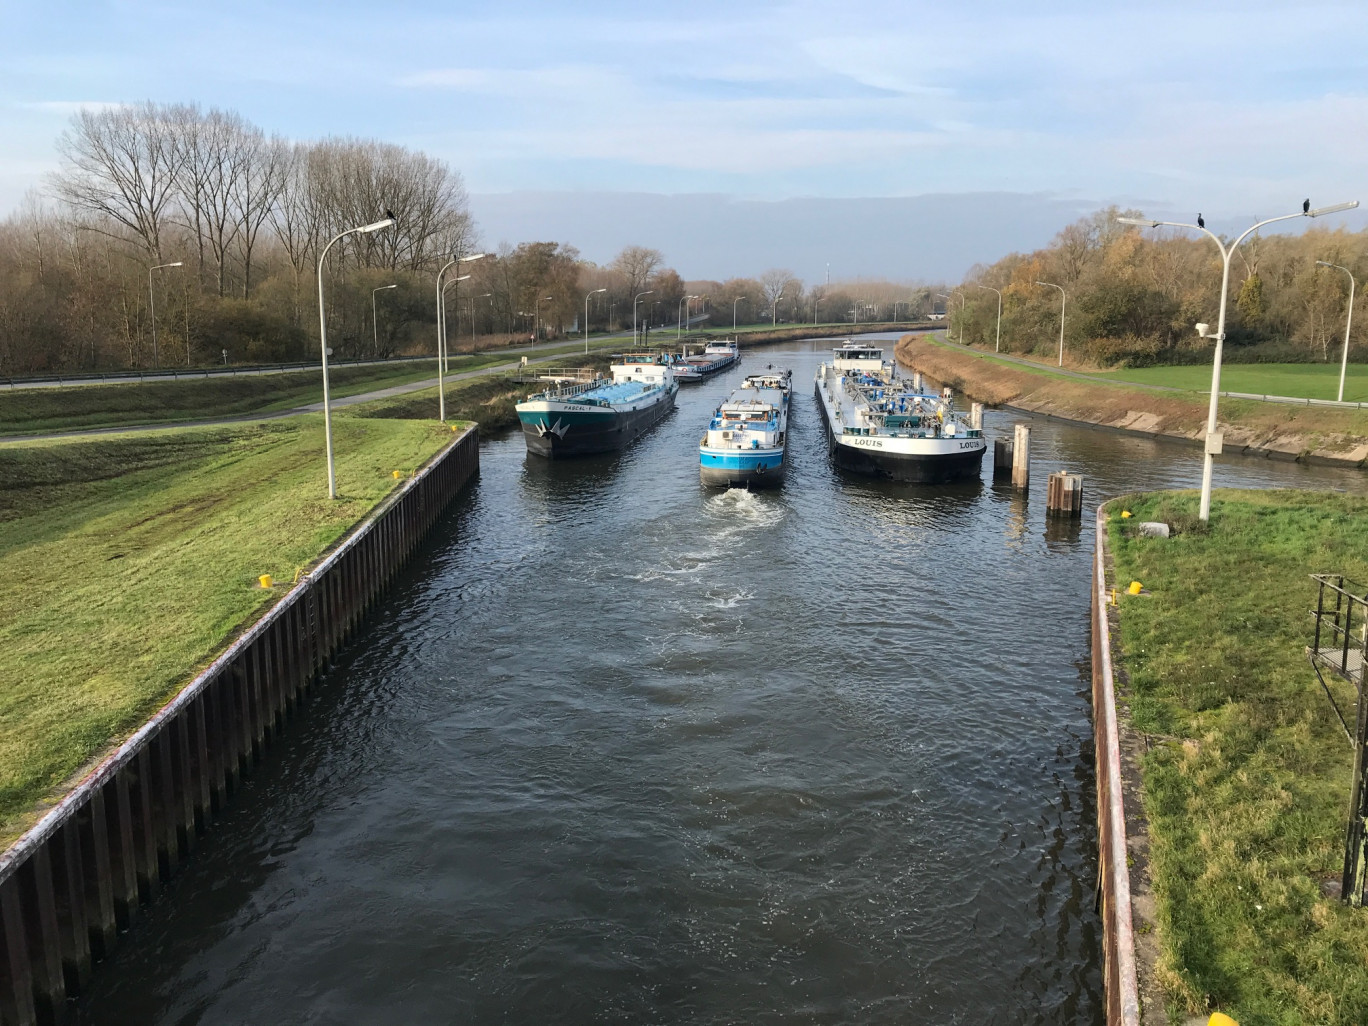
744 446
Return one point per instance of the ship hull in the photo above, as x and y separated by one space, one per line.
555 432
697 372
944 461
751 469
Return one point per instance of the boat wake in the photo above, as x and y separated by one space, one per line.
723 601
744 509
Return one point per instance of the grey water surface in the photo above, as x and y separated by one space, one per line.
618 749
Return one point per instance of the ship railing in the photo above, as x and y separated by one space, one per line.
566 390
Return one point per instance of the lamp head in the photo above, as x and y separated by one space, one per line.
1332 209
472 256
596 291
1140 221
1202 329
366 229
178 263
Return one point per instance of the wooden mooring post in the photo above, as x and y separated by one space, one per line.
1064 495
79 875
1021 458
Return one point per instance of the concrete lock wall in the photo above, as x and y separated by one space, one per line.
80 875
1119 972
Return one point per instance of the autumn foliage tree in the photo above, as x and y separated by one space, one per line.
1135 295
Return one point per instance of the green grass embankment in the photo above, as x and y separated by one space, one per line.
128 404
1246 773
128 561
1290 431
41 410
1300 380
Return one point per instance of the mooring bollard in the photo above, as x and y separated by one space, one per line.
1064 495
1002 458
976 416
1021 458
916 381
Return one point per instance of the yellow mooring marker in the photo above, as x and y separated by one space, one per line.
1221 1019
1125 514
1135 588
398 474
266 580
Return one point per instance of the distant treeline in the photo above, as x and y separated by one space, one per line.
1134 295
245 217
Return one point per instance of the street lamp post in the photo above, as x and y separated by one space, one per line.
734 302
1063 300
441 329
679 315
364 229
1213 440
586 316
536 318
446 351
942 295
636 299
152 303
997 346
1348 322
484 295
774 308
375 324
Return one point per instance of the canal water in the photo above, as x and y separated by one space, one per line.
621 750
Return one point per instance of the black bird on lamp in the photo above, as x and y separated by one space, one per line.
1306 206
390 214
1200 222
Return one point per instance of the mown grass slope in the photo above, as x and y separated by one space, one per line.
1246 782
126 562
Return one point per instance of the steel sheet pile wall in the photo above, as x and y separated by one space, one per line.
1123 996
79 876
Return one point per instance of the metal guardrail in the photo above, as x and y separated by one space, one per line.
1295 400
1340 648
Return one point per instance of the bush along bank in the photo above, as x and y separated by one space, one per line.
1315 434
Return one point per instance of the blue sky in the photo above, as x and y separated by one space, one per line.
1235 109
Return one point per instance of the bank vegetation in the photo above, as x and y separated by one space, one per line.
199 217
1134 296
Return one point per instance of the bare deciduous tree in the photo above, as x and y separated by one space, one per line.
121 164
636 264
